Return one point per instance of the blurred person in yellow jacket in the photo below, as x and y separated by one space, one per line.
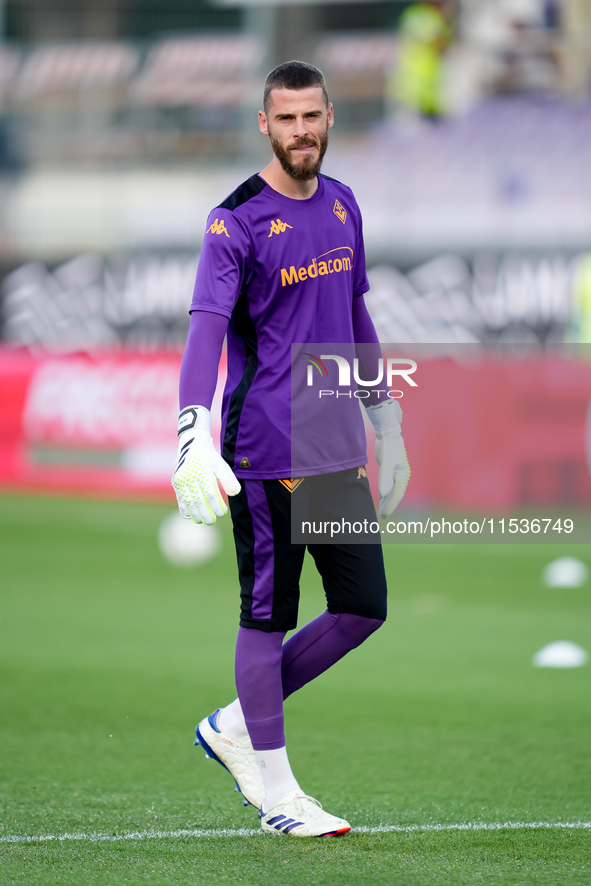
416 83
579 329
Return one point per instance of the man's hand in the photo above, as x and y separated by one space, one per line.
198 469
391 455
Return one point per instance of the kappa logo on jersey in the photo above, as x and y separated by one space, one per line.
361 472
278 227
318 268
217 227
292 485
340 211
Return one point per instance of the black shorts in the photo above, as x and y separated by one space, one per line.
269 564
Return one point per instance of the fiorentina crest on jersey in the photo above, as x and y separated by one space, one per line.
340 211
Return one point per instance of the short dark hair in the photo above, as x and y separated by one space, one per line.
293 75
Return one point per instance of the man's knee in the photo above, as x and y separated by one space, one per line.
357 628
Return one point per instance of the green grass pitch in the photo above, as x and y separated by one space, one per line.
109 656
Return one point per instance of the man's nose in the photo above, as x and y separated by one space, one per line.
300 127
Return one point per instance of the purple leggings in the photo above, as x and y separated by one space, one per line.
269 670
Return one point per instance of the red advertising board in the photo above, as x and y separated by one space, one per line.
496 431
484 433
102 424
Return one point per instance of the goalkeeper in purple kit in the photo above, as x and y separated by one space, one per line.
282 261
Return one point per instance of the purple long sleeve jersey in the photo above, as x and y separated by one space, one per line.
274 271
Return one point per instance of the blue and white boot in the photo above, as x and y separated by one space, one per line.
299 815
237 757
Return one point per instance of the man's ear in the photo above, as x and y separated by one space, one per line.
263 123
330 115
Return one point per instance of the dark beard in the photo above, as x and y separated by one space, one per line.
308 169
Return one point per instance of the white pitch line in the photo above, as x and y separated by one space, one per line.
247 832
472 826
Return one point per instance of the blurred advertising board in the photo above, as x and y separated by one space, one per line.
499 429
482 429
100 425
487 430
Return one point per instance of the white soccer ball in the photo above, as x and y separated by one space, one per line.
566 572
184 543
561 654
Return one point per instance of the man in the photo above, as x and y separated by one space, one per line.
288 215
417 81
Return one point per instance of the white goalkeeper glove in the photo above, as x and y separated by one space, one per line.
391 455
198 469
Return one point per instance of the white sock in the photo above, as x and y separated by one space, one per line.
231 721
277 775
